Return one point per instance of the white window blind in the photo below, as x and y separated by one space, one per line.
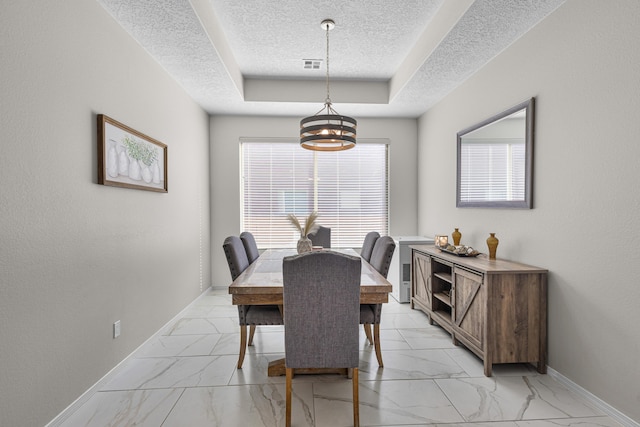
349 189
493 170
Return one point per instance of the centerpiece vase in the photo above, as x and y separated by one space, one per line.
304 245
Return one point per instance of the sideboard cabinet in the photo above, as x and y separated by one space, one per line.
495 308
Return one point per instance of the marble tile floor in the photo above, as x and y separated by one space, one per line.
187 376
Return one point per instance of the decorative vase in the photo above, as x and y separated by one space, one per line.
492 243
112 161
304 245
146 173
134 170
123 164
456 237
155 171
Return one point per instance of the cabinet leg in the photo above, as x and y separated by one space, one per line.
487 368
542 367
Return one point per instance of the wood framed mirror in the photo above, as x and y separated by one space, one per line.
495 161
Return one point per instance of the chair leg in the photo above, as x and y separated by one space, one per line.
289 374
376 340
356 399
243 345
252 330
367 332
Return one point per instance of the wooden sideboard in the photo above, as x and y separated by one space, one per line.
495 308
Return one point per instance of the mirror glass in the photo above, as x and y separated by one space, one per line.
495 161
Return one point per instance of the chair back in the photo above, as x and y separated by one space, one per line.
321 291
250 246
382 254
367 246
236 256
322 237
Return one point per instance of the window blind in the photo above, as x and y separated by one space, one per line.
349 189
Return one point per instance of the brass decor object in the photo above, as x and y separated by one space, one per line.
329 131
456 237
492 243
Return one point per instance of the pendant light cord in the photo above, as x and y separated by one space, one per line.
328 100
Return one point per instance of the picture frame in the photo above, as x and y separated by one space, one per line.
130 159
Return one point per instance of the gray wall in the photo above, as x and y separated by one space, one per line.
581 64
76 256
226 132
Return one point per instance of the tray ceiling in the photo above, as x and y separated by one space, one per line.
387 58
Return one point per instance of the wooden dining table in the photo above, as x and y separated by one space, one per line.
261 284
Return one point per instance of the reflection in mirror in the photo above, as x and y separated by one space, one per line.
495 160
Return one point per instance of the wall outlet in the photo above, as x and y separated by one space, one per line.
116 329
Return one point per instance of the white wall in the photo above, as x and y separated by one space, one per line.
226 132
76 256
581 64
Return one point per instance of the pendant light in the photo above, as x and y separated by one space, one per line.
327 130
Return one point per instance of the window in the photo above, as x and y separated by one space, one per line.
349 189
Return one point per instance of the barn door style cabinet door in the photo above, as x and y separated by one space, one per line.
495 308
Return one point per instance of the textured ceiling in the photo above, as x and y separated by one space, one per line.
387 58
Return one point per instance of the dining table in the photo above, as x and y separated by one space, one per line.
261 284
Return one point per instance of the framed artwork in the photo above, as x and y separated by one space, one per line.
130 159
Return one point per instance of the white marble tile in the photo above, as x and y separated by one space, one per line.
383 403
180 345
427 338
253 405
491 424
211 299
391 339
571 422
144 408
168 372
254 370
224 311
191 326
399 321
227 344
267 340
513 398
411 365
225 325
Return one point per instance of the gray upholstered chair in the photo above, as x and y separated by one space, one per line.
370 314
321 291
250 246
250 315
321 237
367 246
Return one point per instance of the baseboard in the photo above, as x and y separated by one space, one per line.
593 399
69 410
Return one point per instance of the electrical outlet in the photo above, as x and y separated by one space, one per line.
116 329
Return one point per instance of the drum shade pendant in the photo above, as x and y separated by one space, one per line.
327 130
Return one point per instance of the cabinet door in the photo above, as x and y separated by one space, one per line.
470 305
421 279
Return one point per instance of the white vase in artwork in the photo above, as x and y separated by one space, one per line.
134 170
123 163
146 173
112 161
155 172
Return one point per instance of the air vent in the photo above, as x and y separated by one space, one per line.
312 64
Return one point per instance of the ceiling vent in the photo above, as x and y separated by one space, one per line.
312 64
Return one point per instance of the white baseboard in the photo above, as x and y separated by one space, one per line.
593 399
62 416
